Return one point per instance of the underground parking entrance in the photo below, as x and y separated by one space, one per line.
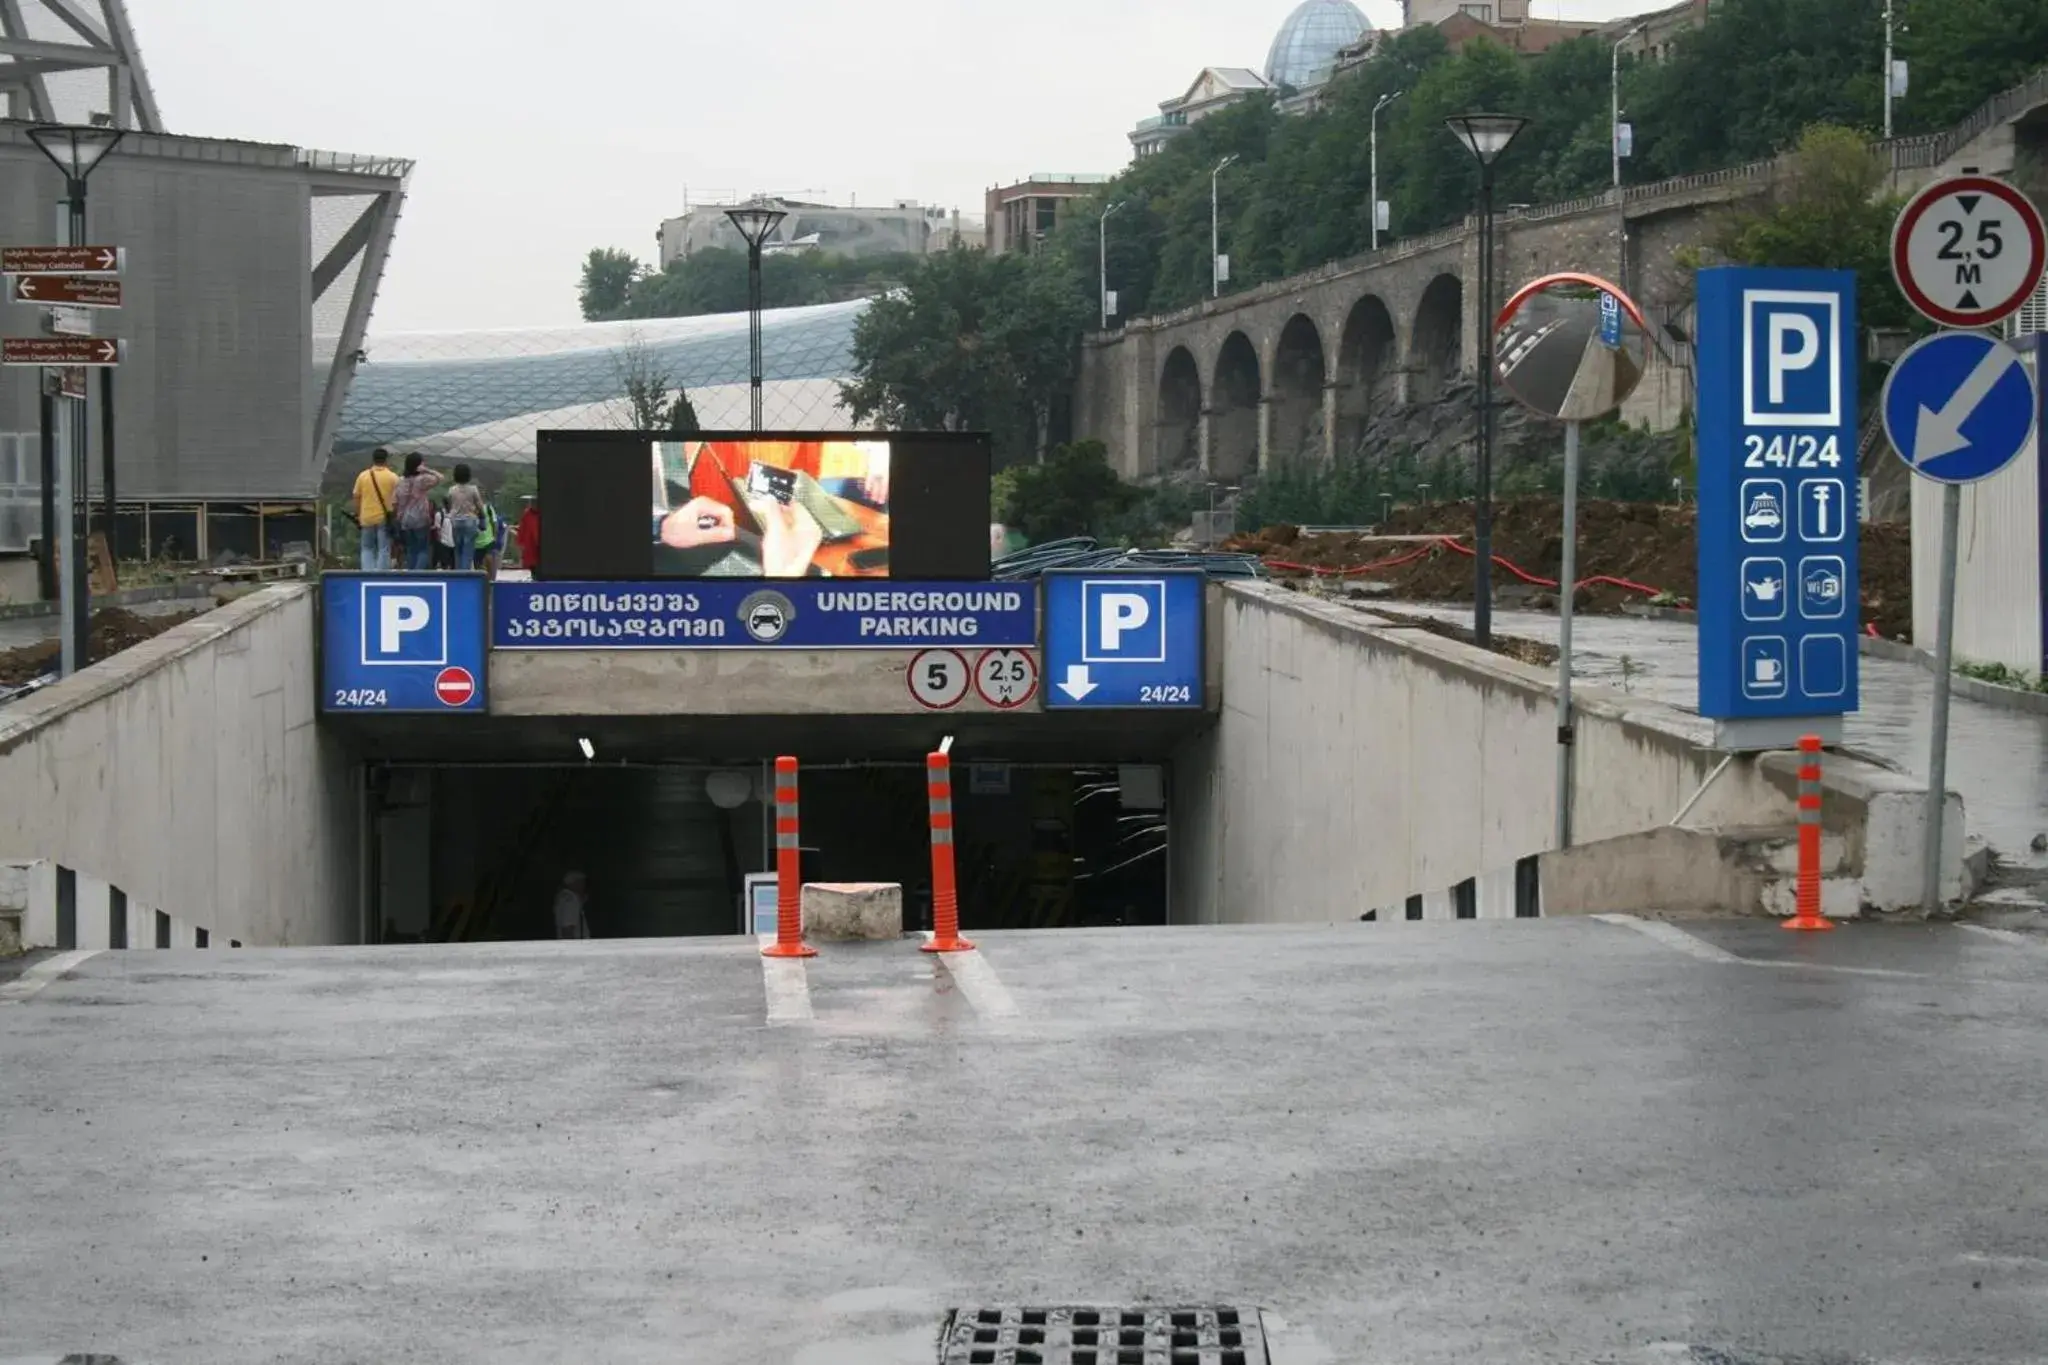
674 835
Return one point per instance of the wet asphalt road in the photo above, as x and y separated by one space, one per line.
1546 1141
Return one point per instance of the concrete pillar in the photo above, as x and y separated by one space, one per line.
1265 432
1330 393
1202 444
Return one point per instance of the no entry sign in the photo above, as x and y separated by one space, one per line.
454 686
1968 251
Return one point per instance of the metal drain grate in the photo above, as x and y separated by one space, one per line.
1204 1335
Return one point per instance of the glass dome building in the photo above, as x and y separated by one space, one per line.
482 395
1305 50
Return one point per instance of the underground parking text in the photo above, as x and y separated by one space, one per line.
751 614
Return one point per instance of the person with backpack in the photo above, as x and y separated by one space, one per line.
370 508
490 540
414 508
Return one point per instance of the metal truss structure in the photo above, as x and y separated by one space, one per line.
74 61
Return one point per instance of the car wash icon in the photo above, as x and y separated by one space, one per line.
1763 510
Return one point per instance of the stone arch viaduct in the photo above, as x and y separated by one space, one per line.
1294 369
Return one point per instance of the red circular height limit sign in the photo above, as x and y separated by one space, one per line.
1005 678
454 686
1969 251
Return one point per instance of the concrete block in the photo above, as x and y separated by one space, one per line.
39 904
841 911
141 924
10 931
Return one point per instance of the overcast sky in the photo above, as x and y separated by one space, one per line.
542 128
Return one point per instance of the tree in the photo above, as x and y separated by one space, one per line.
1829 212
1962 52
714 280
608 275
972 342
653 401
1073 493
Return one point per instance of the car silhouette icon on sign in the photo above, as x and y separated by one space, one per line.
1764 514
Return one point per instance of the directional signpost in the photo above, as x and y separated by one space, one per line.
1123 640
80 291
61 351
62 260
1959 406
68 282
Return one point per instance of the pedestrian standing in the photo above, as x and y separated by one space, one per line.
465 510
415 510
490 541
370 506
528 534
571 908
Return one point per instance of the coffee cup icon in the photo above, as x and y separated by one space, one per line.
1768 669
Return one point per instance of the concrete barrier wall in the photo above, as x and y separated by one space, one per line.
1358 762
189 773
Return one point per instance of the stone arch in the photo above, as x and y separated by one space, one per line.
1298 374
1177 437
1234 408
1366 363
1437 342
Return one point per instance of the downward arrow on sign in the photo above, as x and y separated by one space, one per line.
1941 433
1077 684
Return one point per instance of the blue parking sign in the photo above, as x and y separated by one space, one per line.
1777 494
403 642
1116 640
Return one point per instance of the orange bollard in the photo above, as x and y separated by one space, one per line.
938 777
1809 918
789 927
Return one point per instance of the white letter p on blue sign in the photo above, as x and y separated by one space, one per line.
1121 612
398 617
405 623
1790 377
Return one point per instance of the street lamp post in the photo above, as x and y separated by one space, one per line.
76 152
1102 260
1486 136
754 223
1215 232
1614 121
1374 207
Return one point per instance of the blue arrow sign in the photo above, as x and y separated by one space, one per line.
1958 407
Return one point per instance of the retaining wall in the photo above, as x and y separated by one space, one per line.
1358 763
188 773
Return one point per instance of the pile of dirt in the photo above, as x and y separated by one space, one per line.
1513 646
113 629
1651 546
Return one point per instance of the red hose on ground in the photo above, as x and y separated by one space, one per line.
1452 543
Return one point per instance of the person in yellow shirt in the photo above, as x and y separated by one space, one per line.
370 504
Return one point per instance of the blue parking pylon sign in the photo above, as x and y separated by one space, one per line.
1958 407
403 642
1777 494
1123 640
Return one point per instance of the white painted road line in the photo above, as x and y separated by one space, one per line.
1671 936
1674 937
979 983
2005 935
788 986
43 973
